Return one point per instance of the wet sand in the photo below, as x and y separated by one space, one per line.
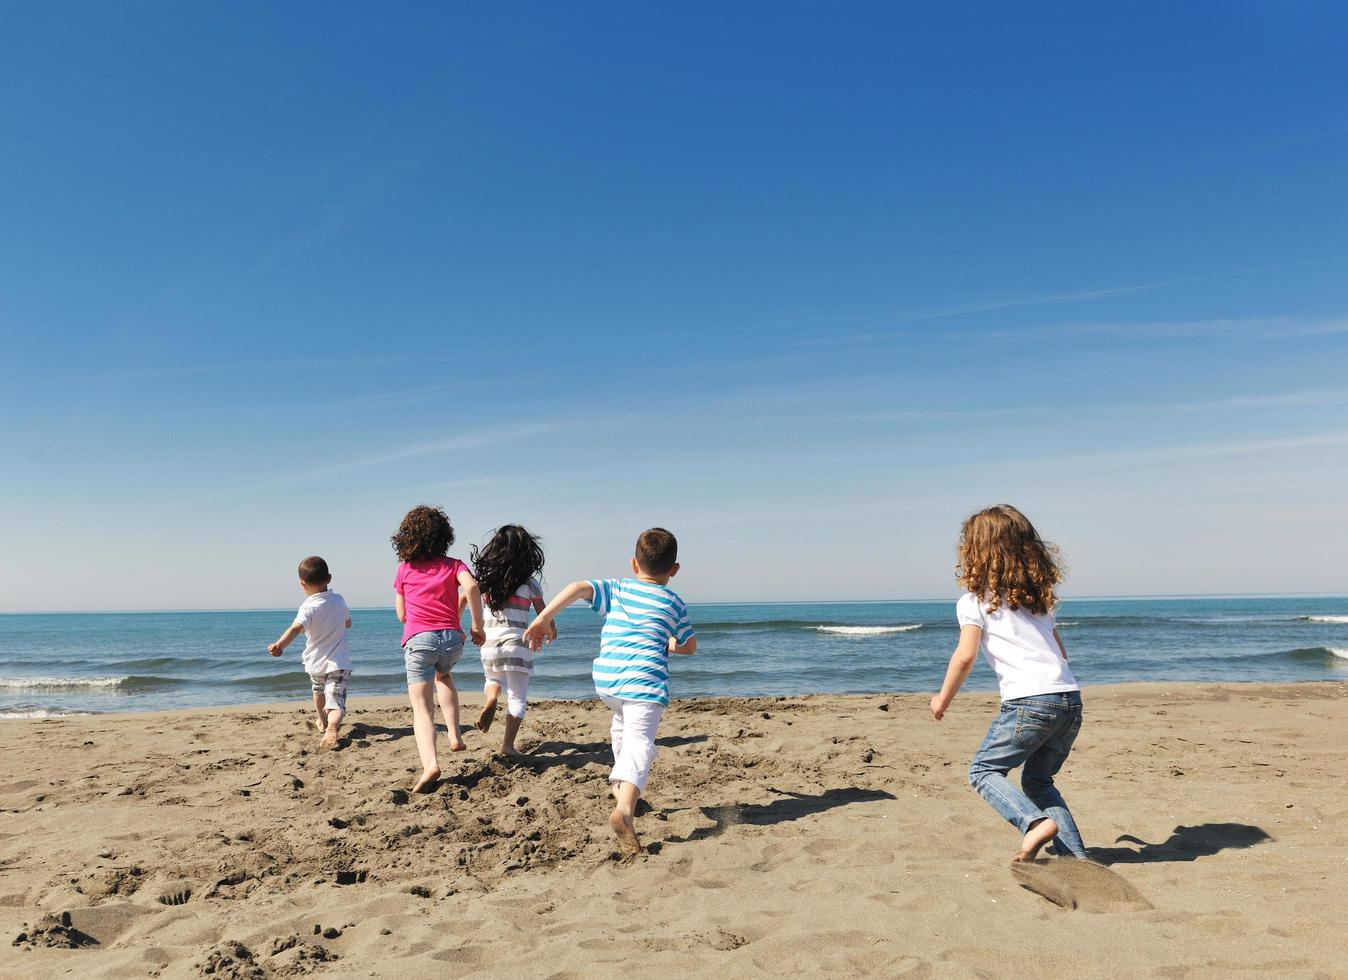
786 835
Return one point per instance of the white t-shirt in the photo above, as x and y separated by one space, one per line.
1020 647
323 616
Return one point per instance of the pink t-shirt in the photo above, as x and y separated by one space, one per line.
430 591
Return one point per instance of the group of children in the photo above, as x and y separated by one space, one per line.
644 622
1010 575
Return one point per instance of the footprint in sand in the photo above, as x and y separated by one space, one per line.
1079 884
178 893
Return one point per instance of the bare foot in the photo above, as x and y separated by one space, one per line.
625 831
457 744
511 751
1039 835
329 739
484 720
319 727
427 781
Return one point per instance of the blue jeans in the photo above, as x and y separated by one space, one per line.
430 653
1036 733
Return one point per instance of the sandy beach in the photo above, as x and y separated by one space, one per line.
791 835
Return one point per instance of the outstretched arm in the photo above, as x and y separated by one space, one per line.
537 633
966 652
279 646
552 627
474 594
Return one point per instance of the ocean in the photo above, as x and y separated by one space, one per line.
55 664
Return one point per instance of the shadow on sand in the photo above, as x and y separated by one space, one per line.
791 806
578 755
381 733
1184 844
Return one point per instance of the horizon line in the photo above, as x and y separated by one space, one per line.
1111 597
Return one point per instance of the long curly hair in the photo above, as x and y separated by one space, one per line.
424 533
1002 559
507 561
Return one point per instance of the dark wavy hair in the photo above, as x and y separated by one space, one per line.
424 533
507 561
1003 560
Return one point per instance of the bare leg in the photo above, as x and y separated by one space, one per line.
621 819
512 728
448 696
334 726
320 705
423 725
1040 833
492 693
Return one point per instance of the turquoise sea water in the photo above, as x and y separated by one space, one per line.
53 664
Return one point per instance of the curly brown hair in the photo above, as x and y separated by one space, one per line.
1002 559
424 533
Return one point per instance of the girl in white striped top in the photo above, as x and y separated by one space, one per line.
507 573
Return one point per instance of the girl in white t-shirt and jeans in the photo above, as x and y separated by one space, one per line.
1010 574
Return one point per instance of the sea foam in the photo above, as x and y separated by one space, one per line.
1325 619
40 713
867 630
61 683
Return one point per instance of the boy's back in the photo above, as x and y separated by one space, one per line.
639 619
323 616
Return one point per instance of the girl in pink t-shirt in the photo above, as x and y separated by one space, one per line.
427 601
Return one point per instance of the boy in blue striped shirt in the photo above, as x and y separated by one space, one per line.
644 622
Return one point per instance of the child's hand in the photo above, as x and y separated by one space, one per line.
479 637
938 707
274 649
537 634
552 632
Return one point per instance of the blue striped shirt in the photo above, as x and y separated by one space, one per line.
639 619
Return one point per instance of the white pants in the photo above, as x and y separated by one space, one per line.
633 735
516 684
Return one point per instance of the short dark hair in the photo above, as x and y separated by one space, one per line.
314 571
657 551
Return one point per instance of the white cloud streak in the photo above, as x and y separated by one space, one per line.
1179 454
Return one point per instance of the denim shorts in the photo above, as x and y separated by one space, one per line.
430 653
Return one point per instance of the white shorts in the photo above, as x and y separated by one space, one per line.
633 735
516 684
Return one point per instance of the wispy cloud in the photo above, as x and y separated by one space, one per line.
1176 454
439 447
880 331
1252 328
268 366
1325 396
478 439
945 415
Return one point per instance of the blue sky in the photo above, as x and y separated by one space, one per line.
804 283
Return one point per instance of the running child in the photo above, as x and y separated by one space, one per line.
323 619
1010 574
644 622
426 598
506 571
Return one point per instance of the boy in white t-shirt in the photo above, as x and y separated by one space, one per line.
1011 574
324 620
